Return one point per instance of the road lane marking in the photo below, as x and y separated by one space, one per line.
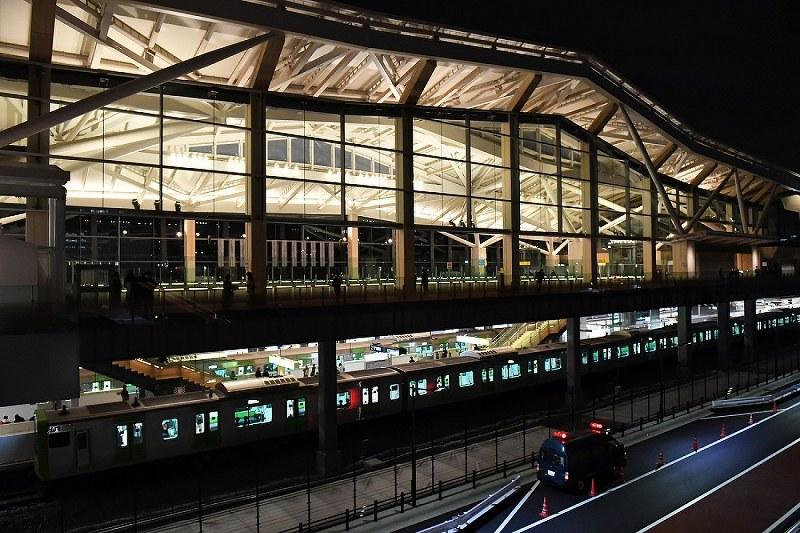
651 472
715 489
515 509
780 520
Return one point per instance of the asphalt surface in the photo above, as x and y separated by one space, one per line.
648 494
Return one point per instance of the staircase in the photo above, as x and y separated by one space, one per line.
528 334
156 378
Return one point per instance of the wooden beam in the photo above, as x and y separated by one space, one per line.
423 70
763 212
740 199
707 203
268 62
703 174
602 118
43 20
524 91
662 156
385 74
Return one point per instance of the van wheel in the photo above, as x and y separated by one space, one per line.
581 486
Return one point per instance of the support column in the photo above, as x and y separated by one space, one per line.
256 227
93 238
749 330
655 318
189 261
477 257
403 237
591 217
573 368
650 222
684 261
352 249
327 450
725 336
756 254
684 338
511 208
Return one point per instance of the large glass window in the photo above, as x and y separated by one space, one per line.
252 415
466 379
169 429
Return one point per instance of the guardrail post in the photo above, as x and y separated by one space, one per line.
673 412
641 423
533 460
347 519
375 511
440 490
688 407
474 480
402 502
505 468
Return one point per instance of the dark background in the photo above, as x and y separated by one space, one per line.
728 69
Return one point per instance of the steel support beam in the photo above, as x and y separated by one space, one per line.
573 369
524 92
673 215
269 60
602 118
684 337
740 199
762 214
725 335
707 203
129 88
327 451
43 19
423 70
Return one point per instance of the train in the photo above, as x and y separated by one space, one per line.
99 437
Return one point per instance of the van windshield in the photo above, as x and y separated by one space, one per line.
550 458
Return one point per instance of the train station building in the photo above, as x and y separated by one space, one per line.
294 172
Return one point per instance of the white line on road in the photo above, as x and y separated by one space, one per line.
514 511
777 523
715 489
651 472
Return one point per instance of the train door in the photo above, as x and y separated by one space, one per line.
83 457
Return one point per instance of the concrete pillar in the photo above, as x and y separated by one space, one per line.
327 450
477 258
684 260
352 249
591 217
684 338
44 227
725 336
511 208
749 329
256 191
649 225
403 237
189 261
756 253
573 368
575 256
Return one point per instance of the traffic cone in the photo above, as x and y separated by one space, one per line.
750 422
660 460
722 432
593 489
544 513
774 407
695 444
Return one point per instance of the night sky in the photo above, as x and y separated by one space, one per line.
728 69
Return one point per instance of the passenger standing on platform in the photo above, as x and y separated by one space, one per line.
130 288
258 372
305 371
340 368
251 285
313 370
425 280
124 394
337 284
227 291
18 418
114 291
539 278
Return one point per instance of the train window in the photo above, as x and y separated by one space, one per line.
301 407
606 354
169 429
584 358
552 363
418 388
213 420
289 408
58 440
343 400
510 371
394 391
487 374
465 379
442 383
623 351
533 367
252 415
595 356
637 348
199 423
375 394
138 433
122 435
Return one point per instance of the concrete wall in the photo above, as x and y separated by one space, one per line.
39 367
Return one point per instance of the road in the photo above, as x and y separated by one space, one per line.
715 488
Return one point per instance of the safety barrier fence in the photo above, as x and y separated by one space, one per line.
444 466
